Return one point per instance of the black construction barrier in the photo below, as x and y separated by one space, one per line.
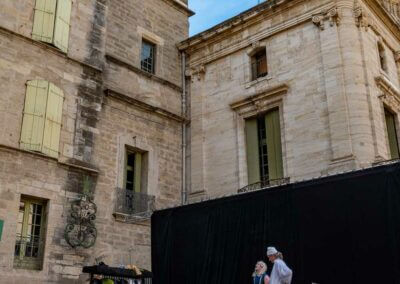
339 229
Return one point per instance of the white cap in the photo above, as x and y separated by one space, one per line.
271 251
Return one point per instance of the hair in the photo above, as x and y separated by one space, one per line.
279 255
264 268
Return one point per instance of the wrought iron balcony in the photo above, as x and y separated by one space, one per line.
264 184
134 205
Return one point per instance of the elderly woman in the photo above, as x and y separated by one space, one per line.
281 273
260 273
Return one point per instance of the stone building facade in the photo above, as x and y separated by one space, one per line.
80 113
328 73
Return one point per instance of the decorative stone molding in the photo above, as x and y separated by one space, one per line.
390 93
397 56
360 16
332 15
260 101
198 72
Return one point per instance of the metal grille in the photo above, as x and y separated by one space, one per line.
147 58
134 203
263 184
28 252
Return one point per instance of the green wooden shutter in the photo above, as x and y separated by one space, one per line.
62 24
34 115
392 135
274 147
138 172
52 127
43 20
253 162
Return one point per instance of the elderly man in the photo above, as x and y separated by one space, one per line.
281 273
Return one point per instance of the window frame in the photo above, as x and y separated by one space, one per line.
255 59
263 121
392 136
153 52
50 118
58 23
22 261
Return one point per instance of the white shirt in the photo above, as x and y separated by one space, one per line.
281 274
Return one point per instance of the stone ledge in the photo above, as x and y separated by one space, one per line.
50 48
144 106
132 219
181 6
387 87
86 167
114 59
258 100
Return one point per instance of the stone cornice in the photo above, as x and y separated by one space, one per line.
229 24
257 101
144 106
181 6
114 59
282 26
387 19
387 87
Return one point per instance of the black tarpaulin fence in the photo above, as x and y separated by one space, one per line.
338 229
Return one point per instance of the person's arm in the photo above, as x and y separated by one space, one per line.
284 272
266 279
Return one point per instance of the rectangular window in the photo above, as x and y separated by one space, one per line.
133 171
29 245
392 134
41 123
147 57
259 65
264 150
51 22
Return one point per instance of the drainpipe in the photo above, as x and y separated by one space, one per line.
184 192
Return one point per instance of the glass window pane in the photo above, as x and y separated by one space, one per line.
147 56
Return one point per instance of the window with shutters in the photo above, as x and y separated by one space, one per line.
51 22
263 146
133 198
41 123
147 57
30 234
259 67
391 129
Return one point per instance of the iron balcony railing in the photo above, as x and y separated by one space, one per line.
134 203
264 184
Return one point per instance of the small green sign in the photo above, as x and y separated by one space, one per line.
1 228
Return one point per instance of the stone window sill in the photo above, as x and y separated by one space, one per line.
258 80
132 219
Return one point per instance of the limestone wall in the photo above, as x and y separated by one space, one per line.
331 117
96 128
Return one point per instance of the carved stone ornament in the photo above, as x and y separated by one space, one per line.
199 71
360 15
80 230
332 15
397 56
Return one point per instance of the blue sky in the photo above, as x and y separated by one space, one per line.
211 12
